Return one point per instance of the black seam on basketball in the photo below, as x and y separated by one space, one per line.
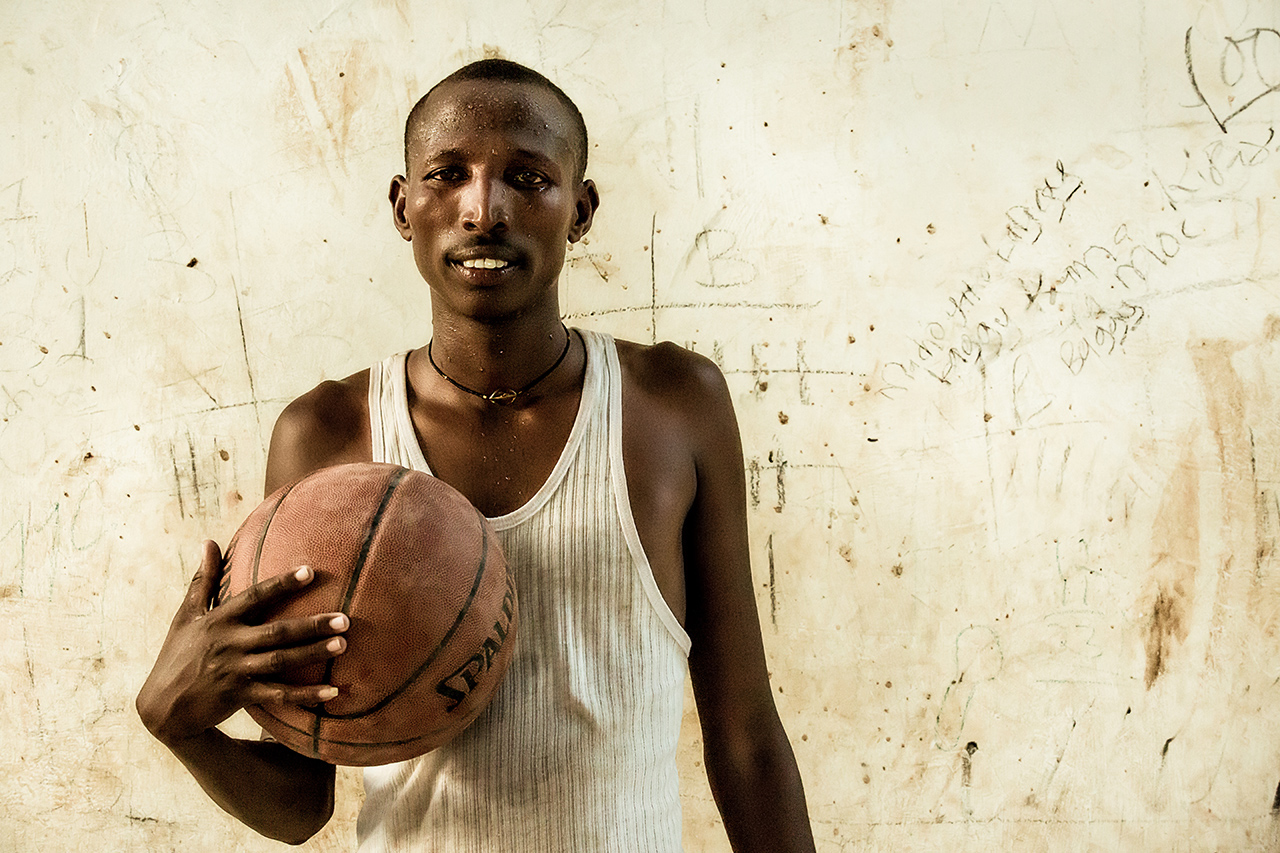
356 571
262 537
462 613
368 539
368 743
315 735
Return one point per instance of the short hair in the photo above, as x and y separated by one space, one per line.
506 71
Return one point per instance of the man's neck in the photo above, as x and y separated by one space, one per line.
482 357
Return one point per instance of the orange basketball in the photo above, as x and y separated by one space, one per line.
432 608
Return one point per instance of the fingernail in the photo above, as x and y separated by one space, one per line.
303 573
328 692
335 645
339 622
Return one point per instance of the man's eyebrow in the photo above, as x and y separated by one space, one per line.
534 155
445 154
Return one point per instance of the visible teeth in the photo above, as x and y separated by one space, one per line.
485 264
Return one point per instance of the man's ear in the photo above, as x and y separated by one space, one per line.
588 201
399 196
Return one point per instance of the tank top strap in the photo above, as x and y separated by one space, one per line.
377 419
390 428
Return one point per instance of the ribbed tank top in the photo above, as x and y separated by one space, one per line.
577 751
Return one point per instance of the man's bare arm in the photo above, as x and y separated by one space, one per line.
750 766
216 661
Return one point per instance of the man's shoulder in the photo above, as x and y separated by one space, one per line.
672 376
676 395
326 426
334 404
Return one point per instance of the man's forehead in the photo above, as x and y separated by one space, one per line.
524 109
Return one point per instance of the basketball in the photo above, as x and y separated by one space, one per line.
432 607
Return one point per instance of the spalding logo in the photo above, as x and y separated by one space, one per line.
457 686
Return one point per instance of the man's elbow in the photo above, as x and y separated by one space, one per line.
305 820
756 751
296 833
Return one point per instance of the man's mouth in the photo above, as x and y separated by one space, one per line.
484 264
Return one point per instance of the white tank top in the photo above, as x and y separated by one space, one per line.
577 751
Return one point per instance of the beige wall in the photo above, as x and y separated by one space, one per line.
996 296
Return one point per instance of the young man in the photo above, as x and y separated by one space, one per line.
613 474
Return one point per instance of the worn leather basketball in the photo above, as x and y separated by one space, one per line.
432 608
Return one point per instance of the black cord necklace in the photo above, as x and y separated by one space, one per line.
503 396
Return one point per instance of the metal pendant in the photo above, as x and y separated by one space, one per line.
502 397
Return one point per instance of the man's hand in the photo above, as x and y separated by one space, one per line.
216 660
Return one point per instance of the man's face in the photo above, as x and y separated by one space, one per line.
492 197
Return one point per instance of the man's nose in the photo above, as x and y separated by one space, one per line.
486 205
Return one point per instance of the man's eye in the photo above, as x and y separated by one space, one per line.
445 175
528 178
